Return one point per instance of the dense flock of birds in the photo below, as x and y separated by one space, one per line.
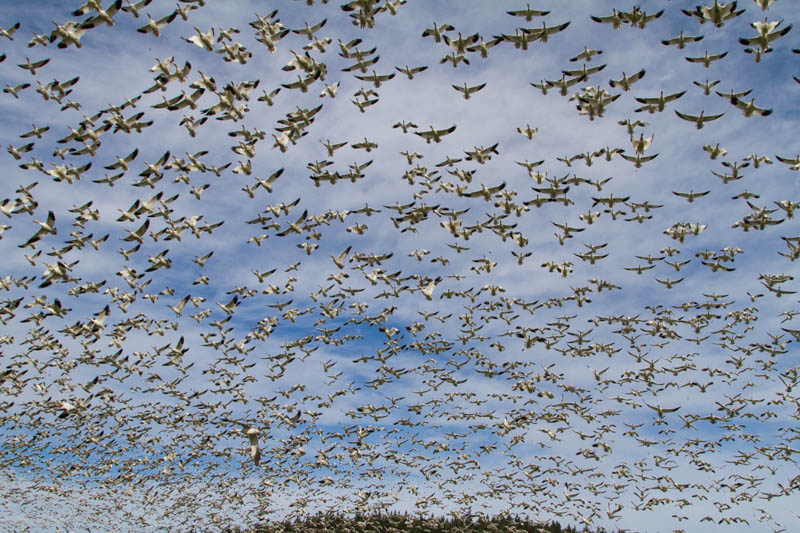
173 351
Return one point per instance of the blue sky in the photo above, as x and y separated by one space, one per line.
149 422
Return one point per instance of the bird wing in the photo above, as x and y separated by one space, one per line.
636 77
685 116
674 96
556 29
787 160
707 118
696 59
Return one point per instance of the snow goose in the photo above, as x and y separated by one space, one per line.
154 26
700 119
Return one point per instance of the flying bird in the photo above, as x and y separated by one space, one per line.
707 59
435 135
699 120
626 81
749 108
682 40
252 434
155 26
467 91
528 13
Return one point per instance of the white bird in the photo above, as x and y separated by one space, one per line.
430 287
309 31
715 151
699 120
9 33
252 434
586 55
16 153
528 132
14 91
339 260
681 40
749 108
33 66
267 183
626 81
154 26
70 33
133 9
411 72
122 162
691 195
706 59
329 90
48 226
437 32
527 13
641 144
203 40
